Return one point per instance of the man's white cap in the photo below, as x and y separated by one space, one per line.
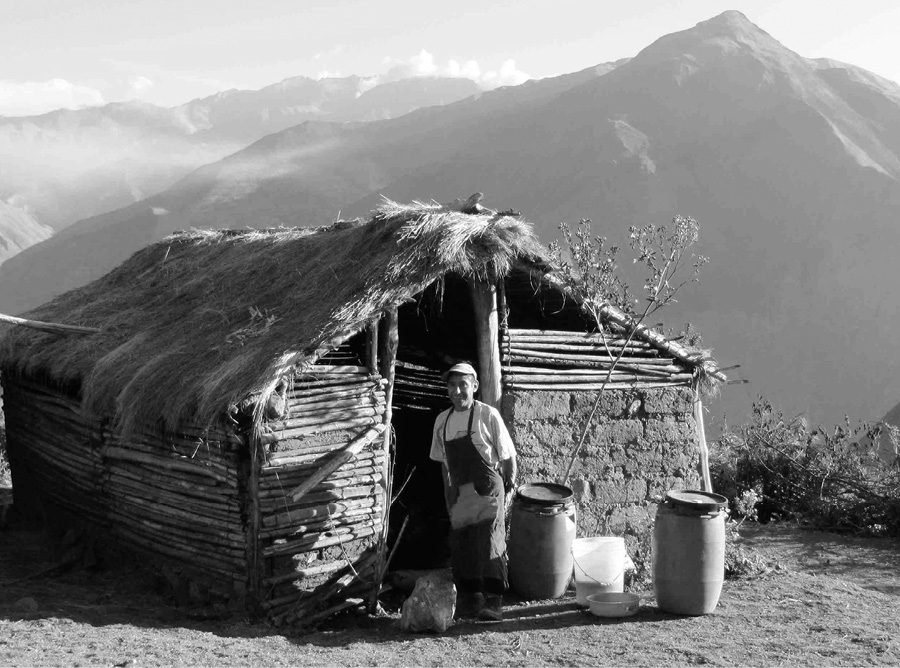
461 368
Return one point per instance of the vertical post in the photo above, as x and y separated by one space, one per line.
484 299
372 346
701 438
254 563
503 317
388 340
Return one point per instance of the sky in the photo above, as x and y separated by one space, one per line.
75 53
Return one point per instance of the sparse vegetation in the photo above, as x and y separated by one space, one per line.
4 460
741 561
845 480
587 267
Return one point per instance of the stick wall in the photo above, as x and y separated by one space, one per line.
177 497
553 360
321 492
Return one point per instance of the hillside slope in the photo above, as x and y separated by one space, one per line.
18 231
300 176
790 165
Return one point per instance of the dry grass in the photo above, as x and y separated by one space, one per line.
197 322
180 335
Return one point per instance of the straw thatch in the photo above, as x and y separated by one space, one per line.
195 323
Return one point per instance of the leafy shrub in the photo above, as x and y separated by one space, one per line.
741 561
846 480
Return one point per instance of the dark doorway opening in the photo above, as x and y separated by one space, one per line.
435 332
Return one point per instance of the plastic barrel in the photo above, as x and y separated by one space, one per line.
541 531
599 566
688 552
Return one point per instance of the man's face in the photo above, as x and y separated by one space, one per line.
461 390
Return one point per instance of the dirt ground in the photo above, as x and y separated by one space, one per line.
827 600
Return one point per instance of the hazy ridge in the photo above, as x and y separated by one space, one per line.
18 231
67 165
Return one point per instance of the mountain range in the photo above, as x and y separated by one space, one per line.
790 165
72 164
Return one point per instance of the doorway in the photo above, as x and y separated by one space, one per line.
435 332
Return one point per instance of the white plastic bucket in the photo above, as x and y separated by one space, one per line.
599 565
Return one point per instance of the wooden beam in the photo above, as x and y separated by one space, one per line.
388 341
627 322
336 461
484 299
372 346
255 565
701 438
50 327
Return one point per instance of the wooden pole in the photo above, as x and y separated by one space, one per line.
701 438
388 342
255 564
484 299
372 347
333 464
582 387
612 314
49 327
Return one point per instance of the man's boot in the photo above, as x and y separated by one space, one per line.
469 604
492 610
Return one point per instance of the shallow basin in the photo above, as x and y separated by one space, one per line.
613 604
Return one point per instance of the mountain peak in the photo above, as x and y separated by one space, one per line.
732 24
730 41
730 18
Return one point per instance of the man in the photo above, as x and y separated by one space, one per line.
479 465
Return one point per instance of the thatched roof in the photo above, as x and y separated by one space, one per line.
196 322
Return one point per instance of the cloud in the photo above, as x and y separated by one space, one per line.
468 70
368 83
423 65
28 98
508 75
420 65
140 85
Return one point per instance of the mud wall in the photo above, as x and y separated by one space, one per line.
640 444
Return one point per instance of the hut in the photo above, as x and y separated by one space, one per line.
255 402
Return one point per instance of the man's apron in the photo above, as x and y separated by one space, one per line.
476 503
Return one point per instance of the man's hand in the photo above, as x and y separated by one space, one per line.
509 485
508 473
